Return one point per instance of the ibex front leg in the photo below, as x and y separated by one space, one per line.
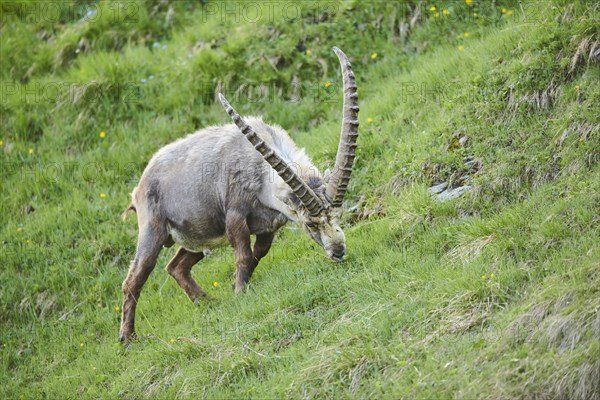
261 248
236 227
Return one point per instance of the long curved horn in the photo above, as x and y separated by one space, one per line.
340 176
298 186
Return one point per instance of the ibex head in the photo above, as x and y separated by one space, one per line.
318 202
325 230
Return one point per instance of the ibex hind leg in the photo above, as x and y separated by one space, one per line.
152 236
180 268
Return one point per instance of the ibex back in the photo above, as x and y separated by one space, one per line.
222 184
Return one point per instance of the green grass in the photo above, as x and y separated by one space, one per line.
491 295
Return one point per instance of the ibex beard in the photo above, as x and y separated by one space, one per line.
177 202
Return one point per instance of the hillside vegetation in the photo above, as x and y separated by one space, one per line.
492 294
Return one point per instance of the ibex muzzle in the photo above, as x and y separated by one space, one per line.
217 186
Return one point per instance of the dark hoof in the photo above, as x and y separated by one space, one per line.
202 299
242 289
126 339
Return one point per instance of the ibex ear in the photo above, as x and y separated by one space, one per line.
327 175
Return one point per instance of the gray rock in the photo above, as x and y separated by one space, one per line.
596 55
453 193
438 188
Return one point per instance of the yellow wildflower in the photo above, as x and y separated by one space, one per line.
436 15
503 10
30 151
576 87
19 229
117 309
373 56
461 47
172 341
483 277
466 34
445 12
432 8
475 15
469 2
81 344
216 284
327 84
369 120
509 12
308 52
492 276
102 135
1 143
102 195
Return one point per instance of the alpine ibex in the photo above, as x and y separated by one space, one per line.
216 186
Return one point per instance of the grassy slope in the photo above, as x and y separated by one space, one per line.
491 295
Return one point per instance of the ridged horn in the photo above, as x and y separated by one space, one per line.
337 183
306 195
